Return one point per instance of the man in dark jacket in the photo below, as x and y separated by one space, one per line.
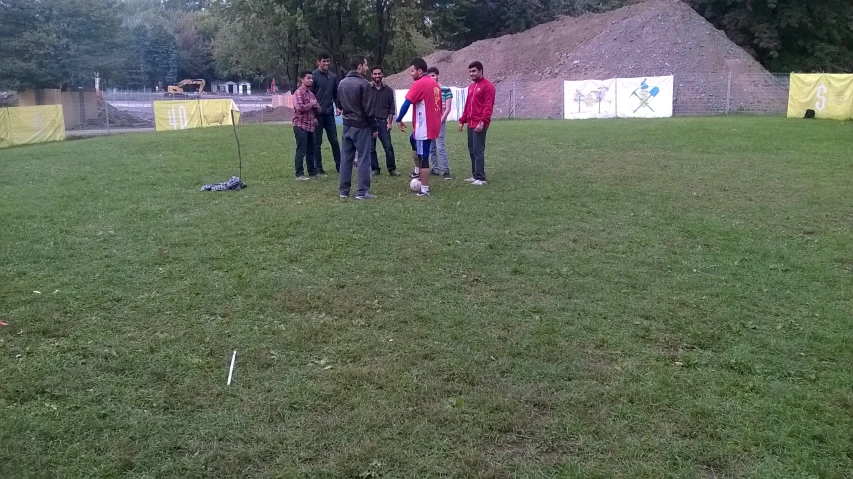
325 89
359 129
383 109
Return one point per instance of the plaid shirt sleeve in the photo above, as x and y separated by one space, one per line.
300 100
303 112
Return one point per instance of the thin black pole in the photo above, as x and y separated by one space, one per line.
239 154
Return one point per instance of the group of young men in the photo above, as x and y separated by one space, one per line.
368 110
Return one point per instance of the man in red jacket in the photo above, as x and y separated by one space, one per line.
478 115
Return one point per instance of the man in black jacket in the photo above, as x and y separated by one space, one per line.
359 129
383 109
325 89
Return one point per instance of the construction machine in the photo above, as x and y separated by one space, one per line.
177 91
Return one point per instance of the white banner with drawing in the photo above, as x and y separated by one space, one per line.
647 97
589 99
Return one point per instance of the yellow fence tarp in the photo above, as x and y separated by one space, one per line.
830 96
184 114
24 125
4 128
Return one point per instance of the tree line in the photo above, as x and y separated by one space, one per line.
146 43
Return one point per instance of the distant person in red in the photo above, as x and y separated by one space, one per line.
425 94
478 115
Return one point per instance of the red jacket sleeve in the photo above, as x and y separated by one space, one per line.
466 112
489 104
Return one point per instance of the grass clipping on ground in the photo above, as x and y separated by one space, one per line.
624 299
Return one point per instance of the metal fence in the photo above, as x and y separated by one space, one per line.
694 95
118 110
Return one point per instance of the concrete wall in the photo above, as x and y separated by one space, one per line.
78 106
45 96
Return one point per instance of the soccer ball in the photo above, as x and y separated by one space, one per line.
415 185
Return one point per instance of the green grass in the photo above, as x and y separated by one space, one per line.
624 299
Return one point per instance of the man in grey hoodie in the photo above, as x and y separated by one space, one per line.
354 97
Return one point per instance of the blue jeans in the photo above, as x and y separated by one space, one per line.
304 150
326 122
387 145
438 152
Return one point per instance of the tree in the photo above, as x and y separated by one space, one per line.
298 30
153 59
185 5
195 59
600 94
51 43
263 41
385 21
407 44
459 23
788 35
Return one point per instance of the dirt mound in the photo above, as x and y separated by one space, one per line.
268 114
653 38
119 118
8 99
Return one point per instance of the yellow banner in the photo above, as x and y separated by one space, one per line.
176 115
218 112
830 96
184 114
4 128
24 125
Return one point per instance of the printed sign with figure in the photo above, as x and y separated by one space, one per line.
589 99
648 97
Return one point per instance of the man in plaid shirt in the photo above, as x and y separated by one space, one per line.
305 109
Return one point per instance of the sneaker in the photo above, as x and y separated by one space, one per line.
374 173
478 182
471 180
446 175
321 173
302 178
366 196
344 197
422 193
414 175
434 173
393 173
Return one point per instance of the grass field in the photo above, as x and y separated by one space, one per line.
624 299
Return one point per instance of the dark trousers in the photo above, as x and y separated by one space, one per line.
477 150
356 141
387 145
304 150
327 123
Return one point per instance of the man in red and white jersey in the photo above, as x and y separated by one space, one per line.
425 95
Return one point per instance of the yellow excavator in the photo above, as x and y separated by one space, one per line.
177 91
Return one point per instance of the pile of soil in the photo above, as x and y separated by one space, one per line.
653 38
268 114
121 119
8 99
